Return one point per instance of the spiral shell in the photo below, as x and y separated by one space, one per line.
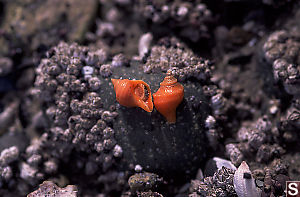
168 97
133 93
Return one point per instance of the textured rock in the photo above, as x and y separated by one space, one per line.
279 56
48 188
191 18
144 181
146 139
87 113
70 83
220 184
9 155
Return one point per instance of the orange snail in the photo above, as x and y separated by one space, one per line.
168 97
133 93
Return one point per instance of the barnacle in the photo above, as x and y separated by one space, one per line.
244 182
133 93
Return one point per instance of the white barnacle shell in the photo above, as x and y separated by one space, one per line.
243 182
223 162
87 71
144 44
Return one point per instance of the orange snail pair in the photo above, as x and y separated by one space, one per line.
137 93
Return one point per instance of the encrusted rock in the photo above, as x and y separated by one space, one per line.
80 120
234 154
146 138
192 18
281 51
220 184
9 155
48 188
179 60
144 181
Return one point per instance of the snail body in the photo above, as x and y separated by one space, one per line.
168 97
133 93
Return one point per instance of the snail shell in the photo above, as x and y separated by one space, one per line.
168 97
133 93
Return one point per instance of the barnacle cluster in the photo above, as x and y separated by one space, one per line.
156 124
220 184
174 56
48 188
282 68
7 156
68 84
191 18
281 51
290 124
71 83
264 143
111 32
255 140
199 92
